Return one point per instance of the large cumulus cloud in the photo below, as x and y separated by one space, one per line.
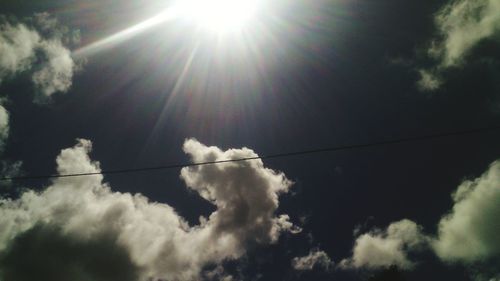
245 193
461 26
74 216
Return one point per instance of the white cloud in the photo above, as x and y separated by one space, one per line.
8 168
245 193
481 275
17 45
57 72
35 47
429 80
218 273
461 25
282 223
23 48
470 232
315 258
382 248
151 239
4 126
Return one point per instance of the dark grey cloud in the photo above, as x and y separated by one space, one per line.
45 253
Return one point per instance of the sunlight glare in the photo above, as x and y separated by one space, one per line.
219 15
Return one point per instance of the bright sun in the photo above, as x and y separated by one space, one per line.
219 15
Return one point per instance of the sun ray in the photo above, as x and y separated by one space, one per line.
125 34
175 91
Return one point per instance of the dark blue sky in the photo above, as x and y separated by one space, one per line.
348 76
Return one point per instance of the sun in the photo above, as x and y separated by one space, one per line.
219 15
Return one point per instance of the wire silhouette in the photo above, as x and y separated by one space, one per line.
264 157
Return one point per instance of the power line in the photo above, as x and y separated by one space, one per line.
264 157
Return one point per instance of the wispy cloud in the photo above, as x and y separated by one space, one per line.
461 26
315 259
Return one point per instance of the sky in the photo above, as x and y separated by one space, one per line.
91 86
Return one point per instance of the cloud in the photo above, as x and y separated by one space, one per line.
482 274
56 73
461 26
315 258
35 46
73 217
429 80
470 232
4 126
45 253
383 248
42 52
17 48
245 193
218 273
7 168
